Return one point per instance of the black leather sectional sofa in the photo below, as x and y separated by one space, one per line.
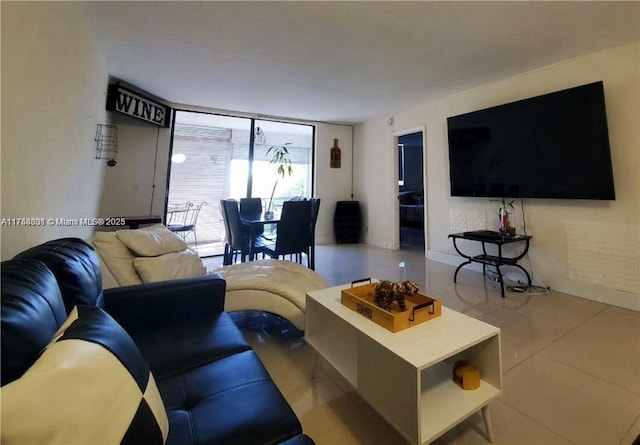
214 388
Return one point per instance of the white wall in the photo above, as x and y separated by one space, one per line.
141 173
53 95
374 162
585 248
331 184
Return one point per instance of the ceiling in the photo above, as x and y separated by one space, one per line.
342 62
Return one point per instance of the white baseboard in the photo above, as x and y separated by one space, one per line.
452 259
324 240
626 300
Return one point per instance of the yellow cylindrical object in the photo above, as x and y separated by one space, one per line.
465 375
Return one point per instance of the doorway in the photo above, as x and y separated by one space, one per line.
411 191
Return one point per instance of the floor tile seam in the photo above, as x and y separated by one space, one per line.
568 365
304 389
580 323
528 346
537 352
310 379
582 371
562 335
517 365
335 380
319 365
495 308
536 421
570 331
577 370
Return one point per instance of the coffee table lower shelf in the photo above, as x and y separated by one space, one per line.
446 405
406 376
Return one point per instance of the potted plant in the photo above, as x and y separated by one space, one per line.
280 157
504 211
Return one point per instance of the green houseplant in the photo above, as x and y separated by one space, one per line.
280 158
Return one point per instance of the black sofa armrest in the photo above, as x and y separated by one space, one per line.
165 303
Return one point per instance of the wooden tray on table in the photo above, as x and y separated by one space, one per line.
420 308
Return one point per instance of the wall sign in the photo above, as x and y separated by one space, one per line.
134 104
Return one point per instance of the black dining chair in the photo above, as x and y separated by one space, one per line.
293 234
315 209
251 208
237 237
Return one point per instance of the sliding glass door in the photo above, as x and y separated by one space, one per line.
216 157
298 142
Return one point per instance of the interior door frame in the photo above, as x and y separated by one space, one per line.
396 187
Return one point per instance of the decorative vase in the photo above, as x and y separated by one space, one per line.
503 220
335 155
504 224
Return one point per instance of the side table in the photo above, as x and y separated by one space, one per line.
493 260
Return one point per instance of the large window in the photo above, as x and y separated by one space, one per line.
216 157
298 140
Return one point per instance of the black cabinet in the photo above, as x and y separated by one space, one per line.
347 222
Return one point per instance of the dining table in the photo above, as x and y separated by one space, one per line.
255 225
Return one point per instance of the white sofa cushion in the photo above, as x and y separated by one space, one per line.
108 279
290 280
122 266
151 241
117 259
169 266
275 286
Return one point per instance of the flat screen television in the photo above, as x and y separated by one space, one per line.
550 146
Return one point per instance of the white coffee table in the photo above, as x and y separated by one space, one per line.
406 376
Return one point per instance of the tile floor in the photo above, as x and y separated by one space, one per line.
571 366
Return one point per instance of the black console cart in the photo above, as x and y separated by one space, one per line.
492 260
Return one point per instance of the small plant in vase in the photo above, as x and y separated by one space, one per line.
280 157
504 224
